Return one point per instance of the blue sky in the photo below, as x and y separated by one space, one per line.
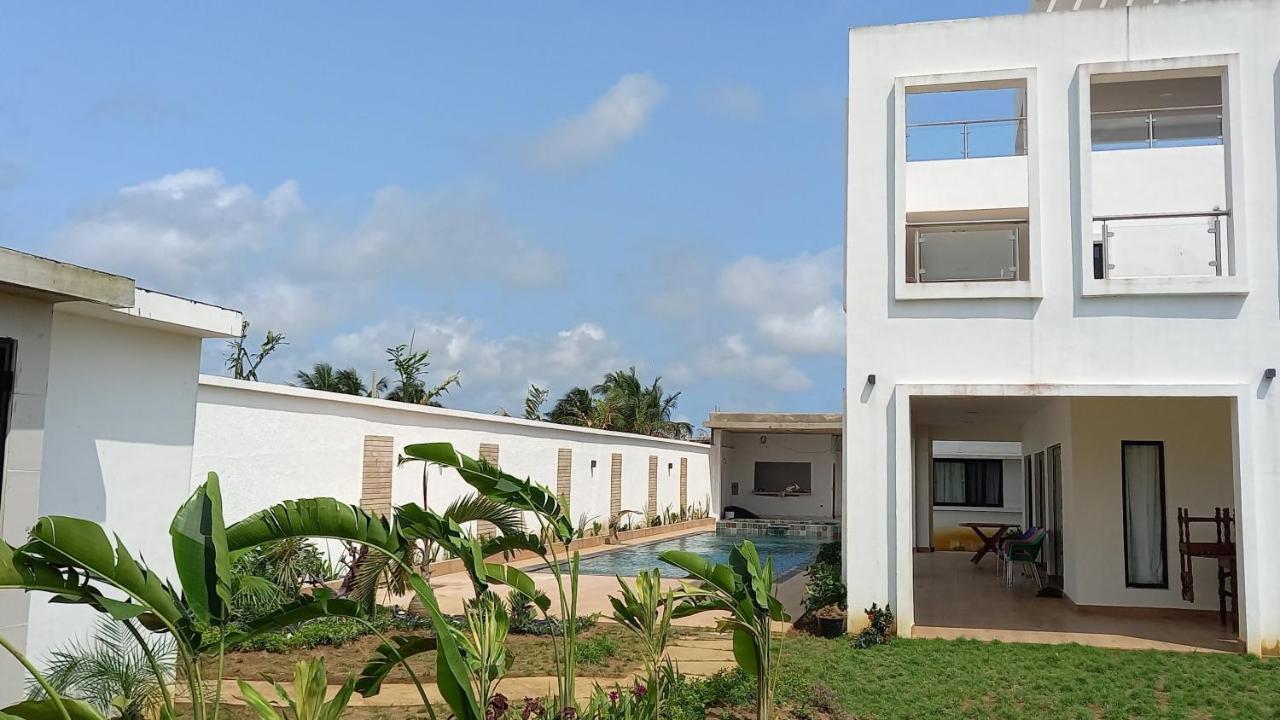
537 192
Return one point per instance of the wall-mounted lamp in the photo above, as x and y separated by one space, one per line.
1269 374
669 466
593 466
871 379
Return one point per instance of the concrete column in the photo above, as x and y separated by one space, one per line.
922 470
870 460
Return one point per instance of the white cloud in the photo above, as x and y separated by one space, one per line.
593 134
176 230
794 303
741 101
409 233
734 358
495 371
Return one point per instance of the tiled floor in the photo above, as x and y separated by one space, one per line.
955 598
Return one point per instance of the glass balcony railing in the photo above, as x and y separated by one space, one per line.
975 251
964 139
1159 245
1156 128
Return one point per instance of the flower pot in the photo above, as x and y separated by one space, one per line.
831 627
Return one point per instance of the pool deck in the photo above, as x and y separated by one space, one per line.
594 590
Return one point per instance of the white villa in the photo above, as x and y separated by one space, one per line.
1062 233
97 419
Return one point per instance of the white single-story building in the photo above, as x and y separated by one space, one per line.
97 403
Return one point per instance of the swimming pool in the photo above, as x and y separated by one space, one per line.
790 555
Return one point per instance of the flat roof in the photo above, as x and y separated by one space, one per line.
819 423
27 274
107 296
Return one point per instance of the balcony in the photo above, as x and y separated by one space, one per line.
1157 127
966 139
1159 245
967 251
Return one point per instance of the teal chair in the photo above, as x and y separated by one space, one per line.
1024 551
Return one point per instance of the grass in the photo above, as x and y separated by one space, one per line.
606 650
906 680
968 679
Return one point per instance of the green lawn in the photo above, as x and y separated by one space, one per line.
939 679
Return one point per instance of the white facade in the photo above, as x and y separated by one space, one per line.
1071 356
100 422
273 442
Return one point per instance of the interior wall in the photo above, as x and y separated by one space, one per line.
739 460
1198 470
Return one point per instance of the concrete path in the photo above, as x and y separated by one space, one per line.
698 655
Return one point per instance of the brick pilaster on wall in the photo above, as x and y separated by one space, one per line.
564 476
615 484
488 453
651 504
684 485
375 474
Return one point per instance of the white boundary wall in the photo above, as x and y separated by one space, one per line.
274 442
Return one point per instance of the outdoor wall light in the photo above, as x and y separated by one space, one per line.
871 379
1269 374
593 466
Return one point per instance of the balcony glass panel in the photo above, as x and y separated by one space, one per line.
1153 246
1172 127
976 252
963 139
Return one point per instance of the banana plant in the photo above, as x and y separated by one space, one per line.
743 590
310 683
647 612
558 531
75 561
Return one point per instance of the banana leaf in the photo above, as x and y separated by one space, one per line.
200 553
517 579
719 576
452 673
313 518
82 546
387 657
46 709
491 482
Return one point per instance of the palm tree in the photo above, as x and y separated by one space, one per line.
110 672
621 402
324 377
534 401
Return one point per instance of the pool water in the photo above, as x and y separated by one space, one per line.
790 554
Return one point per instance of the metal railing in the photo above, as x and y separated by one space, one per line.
1158 245
1157 127
992 138
966 250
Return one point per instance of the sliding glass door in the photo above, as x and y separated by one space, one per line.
1145 542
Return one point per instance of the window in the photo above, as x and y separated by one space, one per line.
972 483
776 478
1145 542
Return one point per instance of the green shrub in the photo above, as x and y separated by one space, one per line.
824 588
877 633
828 554
596 650
332 631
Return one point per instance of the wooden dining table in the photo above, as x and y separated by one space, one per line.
989 542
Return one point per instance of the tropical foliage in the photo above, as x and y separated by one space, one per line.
410 367
110 671
76 561
243 363
310 681
621 402
347 381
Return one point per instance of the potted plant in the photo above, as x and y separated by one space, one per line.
831 621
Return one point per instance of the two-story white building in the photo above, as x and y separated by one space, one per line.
1062 232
